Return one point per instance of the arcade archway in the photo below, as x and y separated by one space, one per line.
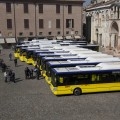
114 35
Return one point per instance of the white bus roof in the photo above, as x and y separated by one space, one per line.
93 55
101 66
77 69
84 52
52 50
33 47
71 56
110 64
102 59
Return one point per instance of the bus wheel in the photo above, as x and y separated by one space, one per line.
77 91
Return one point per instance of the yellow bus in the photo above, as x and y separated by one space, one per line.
86 79
29 54
17 51
22 54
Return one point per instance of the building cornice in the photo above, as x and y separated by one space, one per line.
45 1
102 5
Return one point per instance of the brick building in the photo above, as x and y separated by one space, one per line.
40 18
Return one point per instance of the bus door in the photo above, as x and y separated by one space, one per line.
64 86
100 82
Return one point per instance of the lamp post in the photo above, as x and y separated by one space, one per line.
63 21
35 22
14 20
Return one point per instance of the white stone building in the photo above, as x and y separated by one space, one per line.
105 23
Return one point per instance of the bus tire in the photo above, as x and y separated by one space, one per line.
77 91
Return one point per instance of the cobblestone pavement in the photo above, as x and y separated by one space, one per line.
33 100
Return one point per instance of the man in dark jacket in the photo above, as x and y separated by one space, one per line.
4 67
10 56
13 77
38 73
27 73
15 61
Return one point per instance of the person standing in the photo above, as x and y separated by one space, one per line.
31 73
27 72
10 75
15 61
38 73
4 66
13 77
10 56
5 76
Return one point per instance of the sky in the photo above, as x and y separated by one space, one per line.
87 2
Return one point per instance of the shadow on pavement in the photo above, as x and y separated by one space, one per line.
19 65
18 80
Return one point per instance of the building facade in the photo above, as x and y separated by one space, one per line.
40 18
105 23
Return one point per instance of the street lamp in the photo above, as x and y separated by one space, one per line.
63 21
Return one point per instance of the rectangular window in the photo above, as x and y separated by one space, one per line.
31 33
8 7
57 23
49 33
58 33
69 23
69 9
49 24
40 8
67 32
57 8
20 33
26 23
9 23
25 7
41 24
40 33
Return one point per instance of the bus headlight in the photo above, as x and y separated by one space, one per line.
55 88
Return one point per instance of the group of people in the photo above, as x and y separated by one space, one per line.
9 75
29 72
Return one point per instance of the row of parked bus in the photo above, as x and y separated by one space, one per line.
72 67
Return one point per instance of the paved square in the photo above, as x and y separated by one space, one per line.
32 100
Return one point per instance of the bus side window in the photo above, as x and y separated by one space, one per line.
105 78
83 79
94 78
71 80
117 79
61 79
112 78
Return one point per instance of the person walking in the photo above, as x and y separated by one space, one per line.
10 56
15 62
